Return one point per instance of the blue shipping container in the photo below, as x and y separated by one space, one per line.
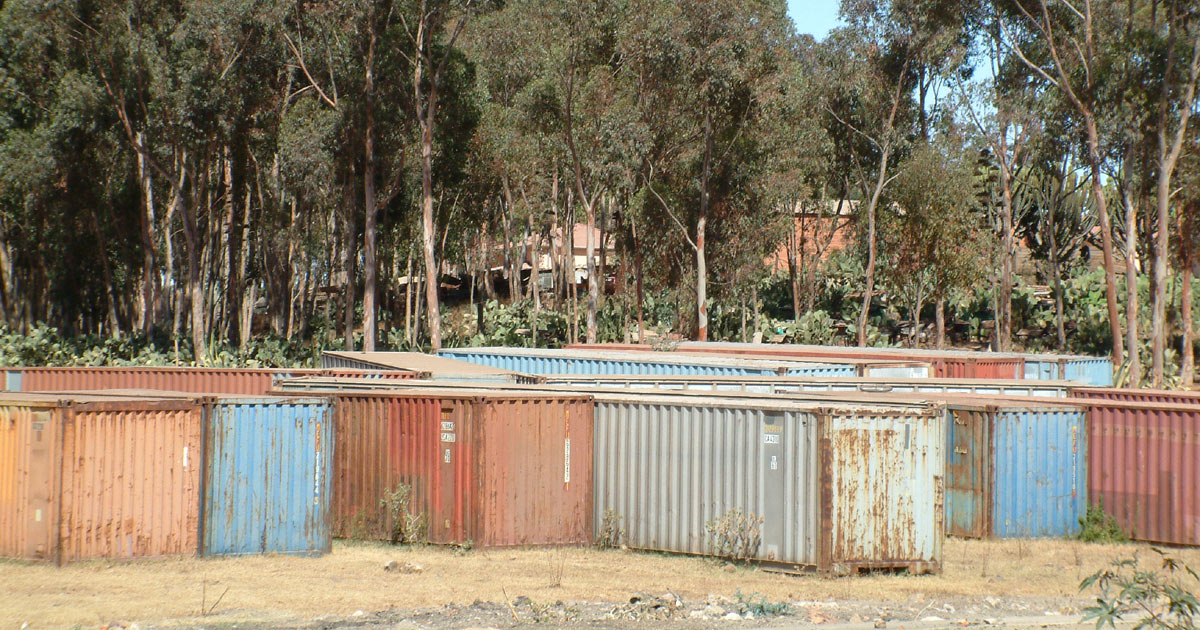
567 362
1016 472
1095 371
267 487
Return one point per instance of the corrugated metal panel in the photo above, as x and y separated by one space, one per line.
1170 397
1040 472
494 470
1042 368
30 461
267 487
573 362
668 467
969 472
1096 371
1144 467
884 479
131 480
255 382
797 384
427 365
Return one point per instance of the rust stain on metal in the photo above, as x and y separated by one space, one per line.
30 437
485 469
1144 465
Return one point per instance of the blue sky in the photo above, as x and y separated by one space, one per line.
816 17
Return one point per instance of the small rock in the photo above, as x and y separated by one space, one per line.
359 613
748 615
856 619
407 624
525 601
134 626
879 623
697 614
994 602
991 621
714 611
932 618
729 568
732 617
1049 613
948 608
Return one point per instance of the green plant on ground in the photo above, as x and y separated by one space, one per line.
611 534
407 528
1096 525
759 605
1162 598
735 535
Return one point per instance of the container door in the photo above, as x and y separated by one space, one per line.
967 466
775 502
446 521
40 541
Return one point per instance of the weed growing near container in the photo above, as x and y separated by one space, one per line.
734 535
759 605
1098 526
407 528
611 534
1162 599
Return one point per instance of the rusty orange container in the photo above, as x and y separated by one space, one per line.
484 468
943 364
248 381
100 477
1144 466
1168 396
30 464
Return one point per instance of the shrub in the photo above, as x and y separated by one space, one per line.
1162 599
735 536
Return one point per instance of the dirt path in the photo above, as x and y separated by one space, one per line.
982 581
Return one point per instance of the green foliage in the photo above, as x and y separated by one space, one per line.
407 528
1096 525
611 534
759 605
1161 599
734 535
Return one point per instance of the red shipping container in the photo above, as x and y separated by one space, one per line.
1144 466
488 469
1168 396
198 380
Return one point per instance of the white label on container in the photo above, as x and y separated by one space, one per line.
447 437
769 438
37 516
774 463
567 460
447 425
185 457
446 456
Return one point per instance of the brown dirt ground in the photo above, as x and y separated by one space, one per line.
286 589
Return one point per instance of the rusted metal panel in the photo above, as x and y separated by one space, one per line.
885 505
1164 396
969 473
249 381
267 481
30 463
668 466
479 465
131 479
1144 468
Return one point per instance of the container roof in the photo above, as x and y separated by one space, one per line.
418 362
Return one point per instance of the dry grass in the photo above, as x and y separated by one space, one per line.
90 594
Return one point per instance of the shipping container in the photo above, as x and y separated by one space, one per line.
549 361
429 365
246 381
267 482
1144 468
1168 396
838 490
99 477
1015 469
30 477
485 468
784 384
944 364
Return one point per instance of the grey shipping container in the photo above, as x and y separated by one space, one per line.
432 366
839 488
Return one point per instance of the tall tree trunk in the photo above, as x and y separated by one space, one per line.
349 256
1187 369
701 228
941 323
637 279
148 315
589 209
1131 289
869 280
1106 240
192 236
370 256
1004 317
432 306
